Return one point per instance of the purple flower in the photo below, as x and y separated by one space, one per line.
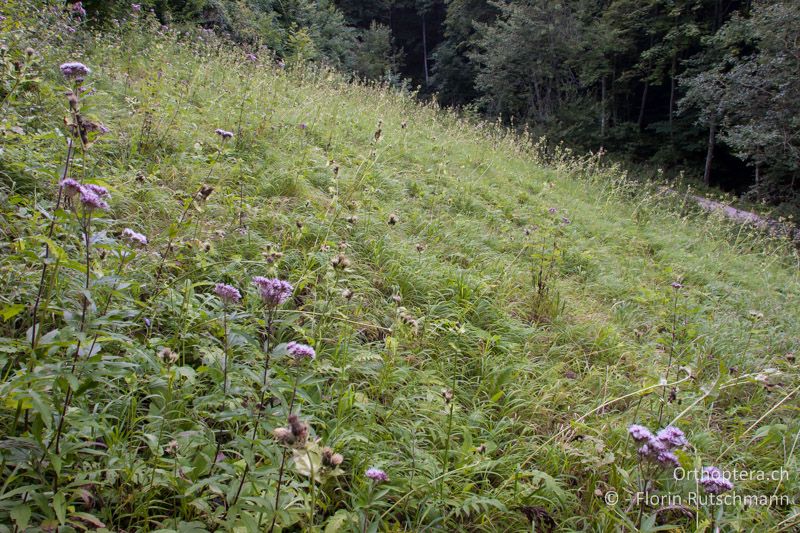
71 187
273 291
102 192
78 10
75 70
227 293
668 459
640 433
377 475
251 57
136 7
300 351
92 200
302 126
137 239
224 134
714 482
565 221
676 285
147 322
672 437
552 210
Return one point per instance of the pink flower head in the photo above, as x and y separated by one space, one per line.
640 433
377 475
224 134
71 187
672 437
136 8
74 70
227 293
274 291
300 351
714 482
91 200
78 10
251 57
136 239
102 192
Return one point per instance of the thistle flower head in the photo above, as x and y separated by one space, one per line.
377 475
283 435
71 187
672 437
340 262
168 356
714 482
100 191
331 459
224 134
273 291
298 428
676 285
78 10
227 293
300 351
74 70
133 237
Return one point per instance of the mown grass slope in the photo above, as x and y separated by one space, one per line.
428 255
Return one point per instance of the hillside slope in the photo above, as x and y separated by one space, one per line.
488 321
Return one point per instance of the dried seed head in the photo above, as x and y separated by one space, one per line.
340 262
331 459
299 224
204 192
283 435
403 124
343 246
352 219
397 298
393 219
168 356
447 394
172 447
420 247
299 429
347 294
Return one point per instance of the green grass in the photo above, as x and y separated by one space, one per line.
545 382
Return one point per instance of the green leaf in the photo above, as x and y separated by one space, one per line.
21 514
11 311
60 507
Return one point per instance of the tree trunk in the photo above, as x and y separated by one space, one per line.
712 134
425 49
603 108
642 106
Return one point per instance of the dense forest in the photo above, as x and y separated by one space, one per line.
708 88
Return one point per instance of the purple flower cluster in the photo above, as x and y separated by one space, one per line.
74 70
273 291
91 195
300 351
227 293
224 134
377 475
676 285
658 447
714 482
136 8
78 10
135 238
251 57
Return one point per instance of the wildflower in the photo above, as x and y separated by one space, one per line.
167 356
299 224
172 447
565 221
78 10
227 293
393 219
102 192
71 187
420 247
147 322
668 459
403 124
352 219
300 351
274 291
91 200
447 394
714 482
29 51
302 126
552 210
481 448
135 238
224 134
331 459
251 57
676 285
296 434
377 475
347 294
136 8
340 262
397 298
755 315
75 70
672 437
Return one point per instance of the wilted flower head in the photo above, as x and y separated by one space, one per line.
74 70
377 475
71 187
274 291
300 351
714 482
227 293
224 134
91 200
172 447
340 262
168 356
331 459
393 219
133 237
347 294
295 434
204 192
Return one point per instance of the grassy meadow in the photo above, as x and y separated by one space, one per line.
489 314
